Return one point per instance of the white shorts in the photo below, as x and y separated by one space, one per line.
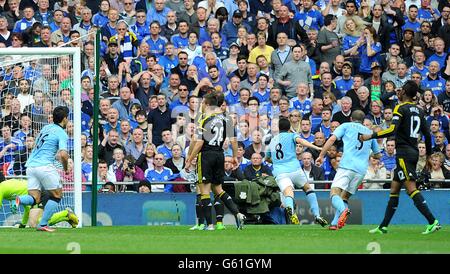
43 177
347 180
297 178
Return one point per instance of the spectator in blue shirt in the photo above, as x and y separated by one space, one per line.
158 12
101 18
8 146
154 40
166 147
160 173
141 28
412 22
26 22
433 81
308 17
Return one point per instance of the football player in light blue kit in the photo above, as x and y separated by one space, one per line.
51 146
288 172
353 165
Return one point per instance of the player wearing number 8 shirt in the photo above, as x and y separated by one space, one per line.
288 172
407 123
209 140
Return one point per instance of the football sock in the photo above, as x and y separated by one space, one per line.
338 204
49 209
421 205
338 213
289 202
26 200
58 217
390 209
199 210
207 206
312 201
219 208
228 202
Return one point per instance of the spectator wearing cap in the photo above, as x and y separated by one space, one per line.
230 63
433 80
290 27
26 22
345 82
144 187
113 57
374 82
411 22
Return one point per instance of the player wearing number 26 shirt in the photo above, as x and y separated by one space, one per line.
288 172
408 122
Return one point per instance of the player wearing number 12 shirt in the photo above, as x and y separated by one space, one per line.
407 123
288 172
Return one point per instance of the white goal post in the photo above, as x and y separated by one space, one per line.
39 57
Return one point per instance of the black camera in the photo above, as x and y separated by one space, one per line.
130 165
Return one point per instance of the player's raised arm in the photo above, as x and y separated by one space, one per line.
325 148
387 132
305 143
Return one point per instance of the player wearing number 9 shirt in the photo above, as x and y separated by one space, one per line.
288 172
407 123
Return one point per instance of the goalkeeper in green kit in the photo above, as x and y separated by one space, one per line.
9 189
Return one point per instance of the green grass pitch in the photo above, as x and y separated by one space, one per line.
263 239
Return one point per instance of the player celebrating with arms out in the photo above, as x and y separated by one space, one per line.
353 166
287 171
211 135
42 173
407 123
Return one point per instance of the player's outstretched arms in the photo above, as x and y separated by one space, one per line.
307 144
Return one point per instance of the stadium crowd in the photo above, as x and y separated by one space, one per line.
311 62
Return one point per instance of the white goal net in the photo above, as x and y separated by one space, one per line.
33 81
